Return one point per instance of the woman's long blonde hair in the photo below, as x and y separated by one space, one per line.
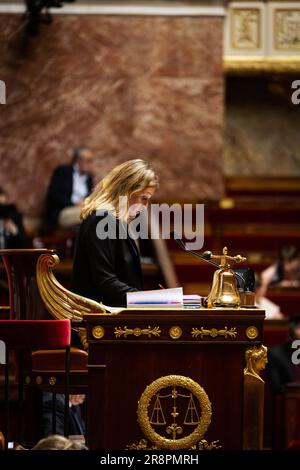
124 180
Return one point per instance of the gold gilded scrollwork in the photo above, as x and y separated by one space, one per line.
82 333
202 445
119 331
142 445
175 428
59 301
213 333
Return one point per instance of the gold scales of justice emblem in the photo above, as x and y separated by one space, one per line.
174 412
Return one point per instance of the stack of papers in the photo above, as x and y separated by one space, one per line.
192 301
156 298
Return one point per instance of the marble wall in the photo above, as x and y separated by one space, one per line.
149 87
261 131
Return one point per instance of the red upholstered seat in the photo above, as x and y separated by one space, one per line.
51 360
35 334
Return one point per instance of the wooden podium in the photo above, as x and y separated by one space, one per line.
176 379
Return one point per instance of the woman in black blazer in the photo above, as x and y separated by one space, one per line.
106 260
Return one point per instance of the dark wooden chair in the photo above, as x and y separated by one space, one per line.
28 335
46 372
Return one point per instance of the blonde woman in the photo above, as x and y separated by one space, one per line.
106 261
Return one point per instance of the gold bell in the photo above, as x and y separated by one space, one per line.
224 291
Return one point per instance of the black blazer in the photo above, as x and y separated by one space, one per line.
76 423
105 270
60 192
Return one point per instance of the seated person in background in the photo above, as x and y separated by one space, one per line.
286 271
272 310
280 369
69 186
57 442
12 233
107 261
76 423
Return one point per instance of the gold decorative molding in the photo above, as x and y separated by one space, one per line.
98 332
202 445
119 331
257 65
253 412
175 332
213 332
39 380
27 379
175 428
252 332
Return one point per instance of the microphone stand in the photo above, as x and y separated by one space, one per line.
204 257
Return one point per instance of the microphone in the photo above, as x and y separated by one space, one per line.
206 255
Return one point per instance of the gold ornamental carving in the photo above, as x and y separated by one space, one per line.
253 412
287 29
60 302
175 332
181 412
82 333
214 332
202 445
245 28
205 445
252 332
39 380
256 360
124 332
52 380
98 332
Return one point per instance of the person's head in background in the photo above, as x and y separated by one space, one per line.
133 182
289 263
294 327
83 158
57 442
